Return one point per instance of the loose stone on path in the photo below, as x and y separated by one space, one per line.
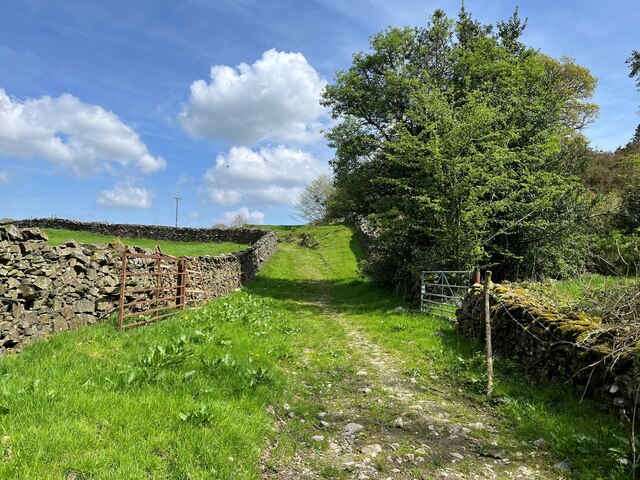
352 428
372 450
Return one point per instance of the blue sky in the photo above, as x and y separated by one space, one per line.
109 109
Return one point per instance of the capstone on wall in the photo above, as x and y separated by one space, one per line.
45 289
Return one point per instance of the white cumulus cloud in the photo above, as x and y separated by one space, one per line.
276 98
270 175
63 130
254 217
4 177
126 195
221 196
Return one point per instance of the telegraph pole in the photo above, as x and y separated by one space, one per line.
177 201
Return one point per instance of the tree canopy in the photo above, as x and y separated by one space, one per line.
458 142
634 65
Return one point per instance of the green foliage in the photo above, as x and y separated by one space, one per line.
576 85
453 142
608 172
611 299
613 227
159 359
303 239
630 208
613 172
199 416
634 64
144 403
251 375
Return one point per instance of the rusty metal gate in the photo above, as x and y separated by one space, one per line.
441 291
156 286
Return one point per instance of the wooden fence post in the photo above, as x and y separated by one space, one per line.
487 326
181 283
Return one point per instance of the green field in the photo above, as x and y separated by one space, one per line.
583 292
236 390
178 249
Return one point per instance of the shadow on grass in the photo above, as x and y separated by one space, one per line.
355 245
348 296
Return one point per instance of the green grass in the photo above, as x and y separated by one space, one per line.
184 398
573 429
580 430
573 290
594 294
187 397
190 249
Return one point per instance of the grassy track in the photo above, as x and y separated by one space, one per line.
59 236
444 365
236 391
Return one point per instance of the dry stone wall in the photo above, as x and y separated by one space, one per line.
365 230
549 345
45 289
155 232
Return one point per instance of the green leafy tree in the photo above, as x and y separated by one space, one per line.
636 136
452 140
613 179
630 209
634 64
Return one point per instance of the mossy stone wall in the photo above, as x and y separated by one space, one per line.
551 346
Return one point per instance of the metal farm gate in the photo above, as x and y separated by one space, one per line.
155 286
441 291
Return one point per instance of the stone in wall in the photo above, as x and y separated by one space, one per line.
45 288
365 230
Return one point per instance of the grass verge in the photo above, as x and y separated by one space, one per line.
183 398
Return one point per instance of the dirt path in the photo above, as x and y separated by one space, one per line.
380 423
